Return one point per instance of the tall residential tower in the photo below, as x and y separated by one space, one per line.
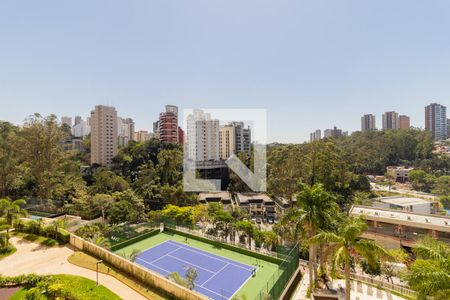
103 135
436 121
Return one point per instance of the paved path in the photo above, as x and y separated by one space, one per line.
34 258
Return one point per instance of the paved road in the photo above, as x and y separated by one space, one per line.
34 258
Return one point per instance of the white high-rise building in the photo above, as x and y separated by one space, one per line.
315 136
81 128
103 135
125 127
202 137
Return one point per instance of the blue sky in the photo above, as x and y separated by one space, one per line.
311 64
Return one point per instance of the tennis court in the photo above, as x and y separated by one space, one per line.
218 277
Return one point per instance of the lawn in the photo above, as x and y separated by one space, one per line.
11 251
252 287
45 241
81 288
87 261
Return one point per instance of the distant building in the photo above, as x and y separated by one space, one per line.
436 121
125 127
396 228
81 128
167 125
142 136
400 174
103 135
390 120
333 133
315 136
67 121
223 197
78 120
368 122
404 122
407 204
234 138
448 128
202 137
257 205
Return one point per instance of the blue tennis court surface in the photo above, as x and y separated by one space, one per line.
218 277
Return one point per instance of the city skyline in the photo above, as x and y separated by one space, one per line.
297 60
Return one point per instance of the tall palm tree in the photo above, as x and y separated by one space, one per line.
429 275
314 210
346 243
12 211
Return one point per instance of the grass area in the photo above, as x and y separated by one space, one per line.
252 287
20 294
80 287
49 242
11 251
87 261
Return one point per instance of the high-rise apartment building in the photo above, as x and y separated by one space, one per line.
436 120
125 127
448 128
168 129
81 128
368 122
142 136
404 122
78 120
334 133
315 136
103 135
234 138
390 120
67 121
202 137
227 141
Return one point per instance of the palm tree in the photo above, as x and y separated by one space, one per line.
429 275
314 210
100 241
11 211
345 243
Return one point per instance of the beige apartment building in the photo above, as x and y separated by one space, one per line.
103 135
227 138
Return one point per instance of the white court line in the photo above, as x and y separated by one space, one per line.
194 265
167 254
227 262
214 275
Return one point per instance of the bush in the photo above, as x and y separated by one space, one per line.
26 281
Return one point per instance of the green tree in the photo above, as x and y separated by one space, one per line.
421 180
100 241
314 210
346 243
127 207
247 228
102 202
442 187
10 167
107 182
429 275
40 150
11 211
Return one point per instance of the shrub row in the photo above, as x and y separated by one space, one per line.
36 228
27 281
134 240
226 246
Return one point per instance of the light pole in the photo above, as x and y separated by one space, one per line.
98 262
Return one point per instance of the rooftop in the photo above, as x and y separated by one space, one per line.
253 197
403 201
223 195
434 222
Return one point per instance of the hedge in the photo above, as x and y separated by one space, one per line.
226 246
134 240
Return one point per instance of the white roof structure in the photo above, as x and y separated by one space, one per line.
425 221
403 201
